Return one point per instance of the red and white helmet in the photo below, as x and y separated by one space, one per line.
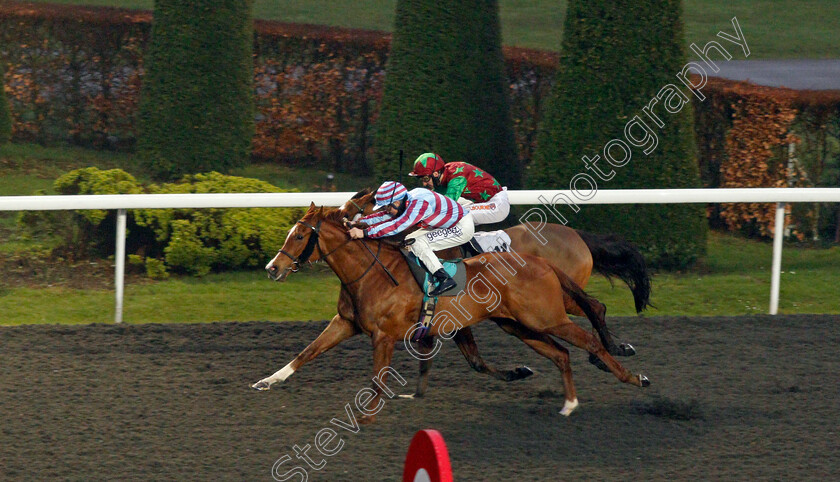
426 164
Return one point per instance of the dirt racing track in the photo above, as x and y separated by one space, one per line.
731 398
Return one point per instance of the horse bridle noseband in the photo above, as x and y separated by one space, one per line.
312 245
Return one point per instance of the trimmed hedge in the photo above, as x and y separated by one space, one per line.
445 90
197 105
317 88
74 75
5 113
612 65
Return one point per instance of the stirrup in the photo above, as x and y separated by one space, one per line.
445 285
426 314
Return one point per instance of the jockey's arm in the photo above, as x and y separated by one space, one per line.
455 187
411 216
376 218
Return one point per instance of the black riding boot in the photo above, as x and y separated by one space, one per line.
445 282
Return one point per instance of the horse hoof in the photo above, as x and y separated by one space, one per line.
644 381
626 349
367 420
569 407
598 363
261 385
523 372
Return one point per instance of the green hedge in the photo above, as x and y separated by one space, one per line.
193 241
445 89
197 105
198 240
612 64
5 113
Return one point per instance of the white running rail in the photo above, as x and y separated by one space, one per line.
122 202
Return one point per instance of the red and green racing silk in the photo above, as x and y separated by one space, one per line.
460 179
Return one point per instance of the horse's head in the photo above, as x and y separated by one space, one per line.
361 204
301 245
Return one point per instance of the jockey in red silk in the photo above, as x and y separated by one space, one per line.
443 224
485 197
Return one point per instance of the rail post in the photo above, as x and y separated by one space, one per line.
119 258
775 279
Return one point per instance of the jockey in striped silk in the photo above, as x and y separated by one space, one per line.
443 224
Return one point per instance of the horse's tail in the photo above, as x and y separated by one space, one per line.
613 256
592 308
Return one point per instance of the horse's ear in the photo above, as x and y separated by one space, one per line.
311 207
321 210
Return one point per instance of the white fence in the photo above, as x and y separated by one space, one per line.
121 202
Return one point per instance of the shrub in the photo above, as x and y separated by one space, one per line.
198 240
193 241
86 232
445 89
197 106
156 269
611 65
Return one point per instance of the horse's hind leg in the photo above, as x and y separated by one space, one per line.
547 347
580 303
337 331
581 338
466 343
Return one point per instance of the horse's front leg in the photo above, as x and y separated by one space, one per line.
337 331
383 351
424 347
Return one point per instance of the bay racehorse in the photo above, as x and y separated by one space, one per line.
574 252
387 313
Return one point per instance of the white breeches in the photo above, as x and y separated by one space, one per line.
495 210
427 241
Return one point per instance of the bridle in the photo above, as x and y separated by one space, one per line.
312 244
361 209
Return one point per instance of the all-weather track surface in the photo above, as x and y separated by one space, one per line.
736 398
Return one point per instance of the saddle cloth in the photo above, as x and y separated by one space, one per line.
491 241
454 267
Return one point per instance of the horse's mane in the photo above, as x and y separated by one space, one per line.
336 215
363 192
333 214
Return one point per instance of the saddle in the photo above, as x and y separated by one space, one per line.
482 242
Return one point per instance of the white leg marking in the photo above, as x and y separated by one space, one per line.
279 376
569 407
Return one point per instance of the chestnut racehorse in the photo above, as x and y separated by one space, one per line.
387 313
573 252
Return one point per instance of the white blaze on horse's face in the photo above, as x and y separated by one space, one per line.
274 271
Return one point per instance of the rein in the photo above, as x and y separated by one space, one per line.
312 244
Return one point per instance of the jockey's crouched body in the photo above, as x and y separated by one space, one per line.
443 224
472 187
